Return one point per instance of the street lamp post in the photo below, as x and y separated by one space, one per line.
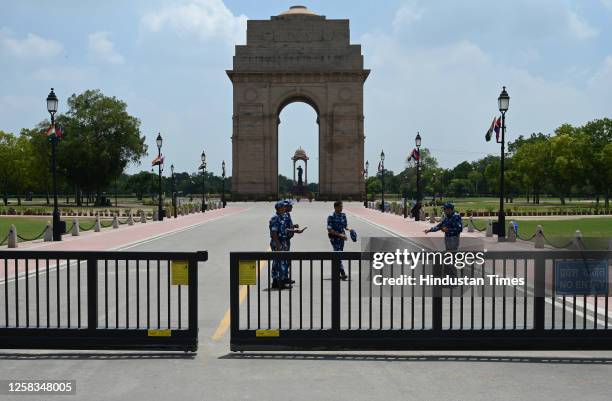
365 184
223 203
433 189
173 191
203 168
160 208
417 142
382 180
52 102
503 102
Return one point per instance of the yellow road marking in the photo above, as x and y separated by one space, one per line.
224 324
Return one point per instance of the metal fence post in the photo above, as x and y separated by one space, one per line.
92 293
193 298
436 301
539 304
234 295
335 293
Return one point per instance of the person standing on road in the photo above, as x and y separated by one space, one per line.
292 229
451 225
336 226
278 242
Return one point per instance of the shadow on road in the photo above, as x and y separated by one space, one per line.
95 355
417 358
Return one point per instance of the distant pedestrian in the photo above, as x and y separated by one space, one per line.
336 227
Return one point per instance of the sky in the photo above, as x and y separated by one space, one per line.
437 67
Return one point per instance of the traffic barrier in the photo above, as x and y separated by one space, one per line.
106 300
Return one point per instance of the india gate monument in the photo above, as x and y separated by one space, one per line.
298 56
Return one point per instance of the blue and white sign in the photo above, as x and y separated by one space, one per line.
581 277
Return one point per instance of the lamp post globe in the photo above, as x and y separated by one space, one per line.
503 102
417 140
58 227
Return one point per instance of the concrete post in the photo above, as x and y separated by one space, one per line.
48 237
471 225
143 217
115 221
97 226
511 232
432 218
12 237
130 219
155 215
577 241
489 228
75 227
422 215
539 237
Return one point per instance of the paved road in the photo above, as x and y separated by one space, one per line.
217 374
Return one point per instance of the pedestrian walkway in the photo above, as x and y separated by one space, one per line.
123 237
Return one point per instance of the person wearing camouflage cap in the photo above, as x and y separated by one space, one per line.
278 242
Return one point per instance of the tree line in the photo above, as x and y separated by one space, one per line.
571 161
100 139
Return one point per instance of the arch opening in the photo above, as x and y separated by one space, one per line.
298 147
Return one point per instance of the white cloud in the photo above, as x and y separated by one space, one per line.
30 46
407 14
204 19
449 93
579 27
101 48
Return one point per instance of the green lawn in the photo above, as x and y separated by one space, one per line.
590 227
30 227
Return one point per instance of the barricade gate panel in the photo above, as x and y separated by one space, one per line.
99 300
321 312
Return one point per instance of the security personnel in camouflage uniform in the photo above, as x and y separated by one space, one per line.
336 226
278 242
451 225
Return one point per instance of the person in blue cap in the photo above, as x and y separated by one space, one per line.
451 225
336 227
278 242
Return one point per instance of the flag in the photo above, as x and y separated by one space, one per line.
54 131
414 155
490 130
379 167
157 160
497 128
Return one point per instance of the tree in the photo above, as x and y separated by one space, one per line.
531 161
8 143
566 167
100 139
596 136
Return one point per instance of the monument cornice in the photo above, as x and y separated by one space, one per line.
300 77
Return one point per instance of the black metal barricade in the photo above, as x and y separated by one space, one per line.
99 300
321 312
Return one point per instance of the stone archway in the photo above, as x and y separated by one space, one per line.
297 56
